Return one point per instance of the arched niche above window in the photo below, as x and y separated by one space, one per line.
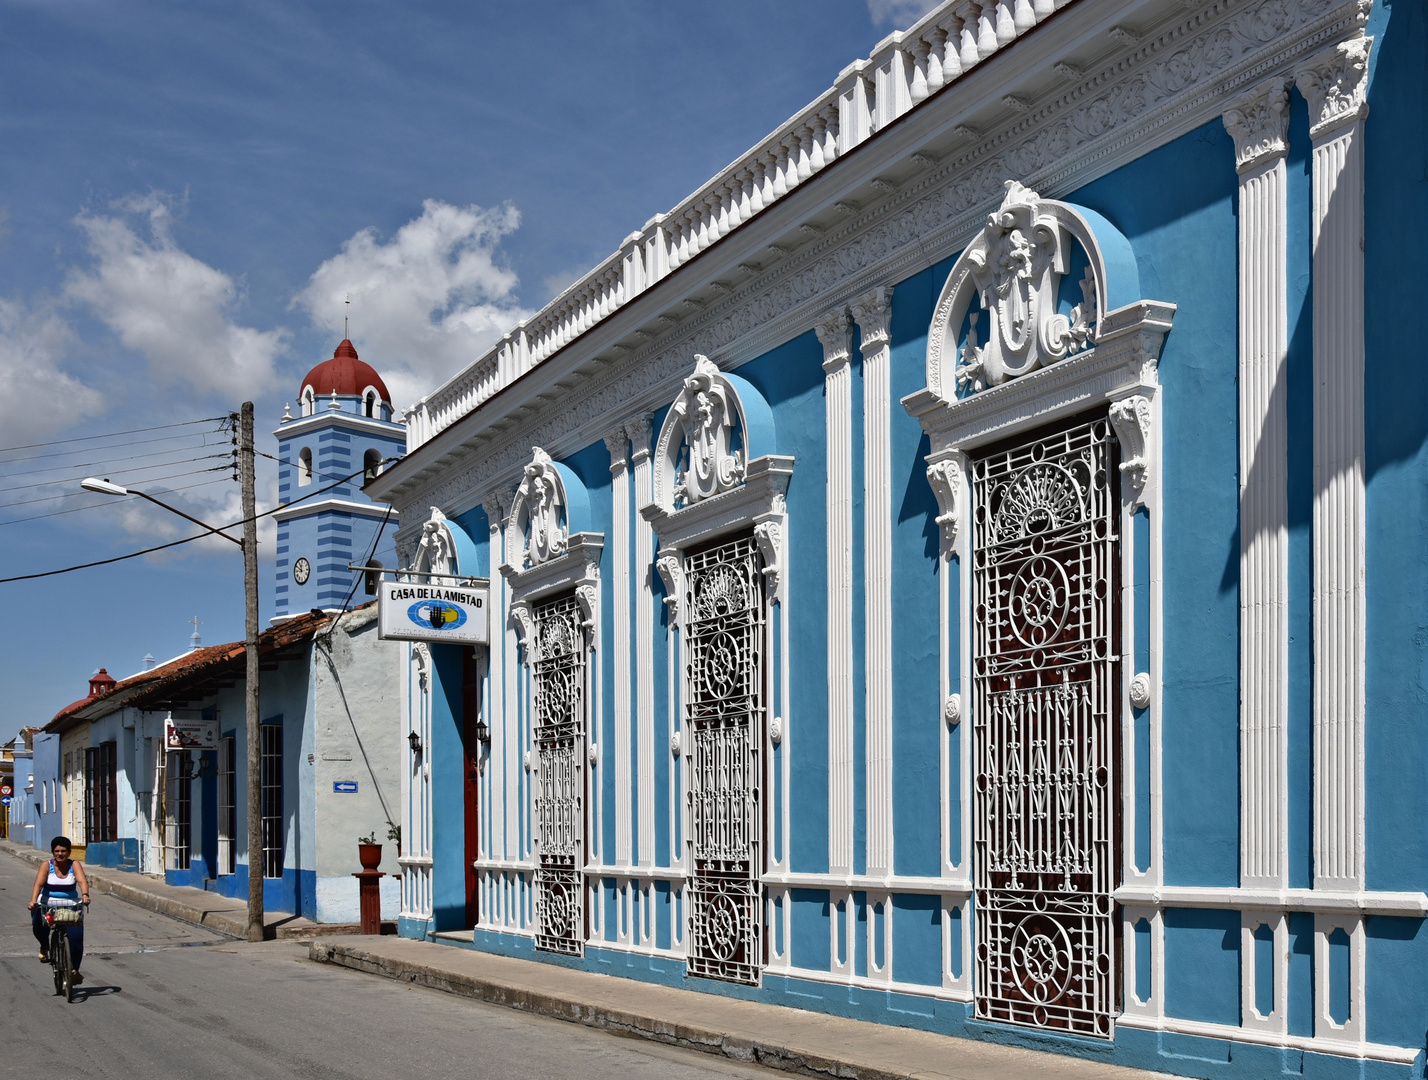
715 471
443 549
546 550
1041 317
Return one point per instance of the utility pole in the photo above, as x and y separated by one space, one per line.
246 464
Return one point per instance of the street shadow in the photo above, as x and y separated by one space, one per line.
87 991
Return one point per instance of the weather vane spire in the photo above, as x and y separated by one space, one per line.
348 304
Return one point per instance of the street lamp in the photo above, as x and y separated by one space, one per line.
249 544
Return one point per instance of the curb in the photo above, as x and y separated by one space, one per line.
623 1022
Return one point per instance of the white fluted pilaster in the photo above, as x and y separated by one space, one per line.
835 335
1258 122
1334 84
639 433
617 443
873 312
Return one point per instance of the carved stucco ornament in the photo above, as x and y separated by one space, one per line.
540 501
945 477
1131 418
436 551
706 416
1258 122
1017 263
1335 84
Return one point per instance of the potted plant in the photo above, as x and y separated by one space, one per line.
369 852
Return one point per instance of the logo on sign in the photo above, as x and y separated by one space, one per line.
344 787
436 615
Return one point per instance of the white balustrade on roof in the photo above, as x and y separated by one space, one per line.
903 71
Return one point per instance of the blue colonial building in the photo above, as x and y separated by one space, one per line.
343 438
964 566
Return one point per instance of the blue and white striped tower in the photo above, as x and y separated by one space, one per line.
344 427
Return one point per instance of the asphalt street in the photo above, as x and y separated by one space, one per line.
162 999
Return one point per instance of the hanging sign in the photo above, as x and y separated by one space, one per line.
456 613
181 734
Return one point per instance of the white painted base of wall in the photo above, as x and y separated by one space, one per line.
337 899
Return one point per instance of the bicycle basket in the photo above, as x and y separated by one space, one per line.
68 916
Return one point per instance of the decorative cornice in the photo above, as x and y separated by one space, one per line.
1178 78
1259 124
1335 84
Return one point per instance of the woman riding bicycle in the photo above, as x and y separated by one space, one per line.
61 882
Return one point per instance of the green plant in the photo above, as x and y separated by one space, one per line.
369 839
394 832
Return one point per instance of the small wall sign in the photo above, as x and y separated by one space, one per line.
344 787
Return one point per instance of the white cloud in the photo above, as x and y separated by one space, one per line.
425 303
900 13
173 309
39 399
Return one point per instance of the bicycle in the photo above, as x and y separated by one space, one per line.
60 919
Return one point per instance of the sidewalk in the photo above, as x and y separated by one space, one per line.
790 1040
221 914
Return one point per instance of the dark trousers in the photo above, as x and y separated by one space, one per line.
42 935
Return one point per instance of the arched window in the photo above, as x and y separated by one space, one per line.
371 464
374 575
369 403
304 467
308 402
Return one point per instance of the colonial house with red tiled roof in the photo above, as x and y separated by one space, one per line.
150 768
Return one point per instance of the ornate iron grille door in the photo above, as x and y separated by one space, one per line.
724 639
1045 679
558 675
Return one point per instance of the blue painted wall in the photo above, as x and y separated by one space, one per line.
790 378
1177 207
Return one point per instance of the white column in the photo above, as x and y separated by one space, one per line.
495 510
617 443
639 433
873 312
1258 122
1334 83
834 334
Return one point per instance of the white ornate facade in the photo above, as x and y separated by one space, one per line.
952 594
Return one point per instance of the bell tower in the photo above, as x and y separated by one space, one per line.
343 436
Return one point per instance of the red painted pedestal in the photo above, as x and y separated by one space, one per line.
369 897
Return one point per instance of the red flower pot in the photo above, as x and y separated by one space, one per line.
370 855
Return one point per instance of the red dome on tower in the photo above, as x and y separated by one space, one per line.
344 374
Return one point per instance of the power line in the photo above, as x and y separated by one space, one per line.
147 480
114 434
190 539
98 462
105 502
127 472
116 446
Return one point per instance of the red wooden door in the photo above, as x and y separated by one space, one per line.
471 745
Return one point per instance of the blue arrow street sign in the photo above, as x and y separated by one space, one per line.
344 787
6 800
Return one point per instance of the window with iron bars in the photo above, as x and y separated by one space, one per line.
271 782
227 799
101 821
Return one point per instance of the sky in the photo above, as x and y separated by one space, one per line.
189 193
